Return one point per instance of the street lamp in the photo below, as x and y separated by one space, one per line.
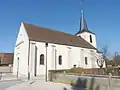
46 45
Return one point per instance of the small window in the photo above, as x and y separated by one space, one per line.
60 60
18 58
42 59
90 38
86 61
74 66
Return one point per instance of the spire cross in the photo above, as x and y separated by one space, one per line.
82 11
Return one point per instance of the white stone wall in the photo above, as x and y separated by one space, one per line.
70 56
86 36
21 51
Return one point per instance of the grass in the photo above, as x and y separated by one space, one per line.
72 83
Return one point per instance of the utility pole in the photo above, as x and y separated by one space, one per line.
29 61
46 72
17 67
55 59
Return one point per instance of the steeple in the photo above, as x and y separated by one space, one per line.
83 24
84 32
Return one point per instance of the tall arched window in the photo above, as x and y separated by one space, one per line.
86 61
90 38
60 60
18 58
42 59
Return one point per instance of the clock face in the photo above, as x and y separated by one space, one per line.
100 62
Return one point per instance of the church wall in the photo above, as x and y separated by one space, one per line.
70 56
86 36
21 52
52 56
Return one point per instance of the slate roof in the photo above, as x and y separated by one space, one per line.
113 62
42 34
81 31
83 26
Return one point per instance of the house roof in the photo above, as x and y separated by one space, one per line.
113 62
41 34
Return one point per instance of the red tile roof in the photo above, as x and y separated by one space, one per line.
41 34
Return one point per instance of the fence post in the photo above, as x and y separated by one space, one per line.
64 73
10 66
82 74
110 81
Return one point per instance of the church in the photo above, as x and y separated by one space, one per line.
38 49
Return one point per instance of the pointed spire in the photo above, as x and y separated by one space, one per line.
83 24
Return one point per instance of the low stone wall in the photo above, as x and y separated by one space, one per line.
81 70
6 69
88 83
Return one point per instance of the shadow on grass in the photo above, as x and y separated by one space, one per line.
82 84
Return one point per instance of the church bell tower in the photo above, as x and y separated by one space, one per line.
87 35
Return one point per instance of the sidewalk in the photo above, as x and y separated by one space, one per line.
40 85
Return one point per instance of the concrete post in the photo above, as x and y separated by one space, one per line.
110 82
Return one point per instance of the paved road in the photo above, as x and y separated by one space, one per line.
8 83
40 85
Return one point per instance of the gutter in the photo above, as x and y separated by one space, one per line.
28 59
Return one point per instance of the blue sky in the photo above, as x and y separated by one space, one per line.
103 18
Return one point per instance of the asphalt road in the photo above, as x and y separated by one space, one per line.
7 83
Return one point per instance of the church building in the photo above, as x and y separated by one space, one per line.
38 49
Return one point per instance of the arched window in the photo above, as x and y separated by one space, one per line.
90 38
86 61
60 60
18 58
42 59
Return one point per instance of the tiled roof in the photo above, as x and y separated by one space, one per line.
41 34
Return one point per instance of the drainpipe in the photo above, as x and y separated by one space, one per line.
55 59
46 45
28 60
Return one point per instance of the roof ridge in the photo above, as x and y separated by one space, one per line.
43 34
47 28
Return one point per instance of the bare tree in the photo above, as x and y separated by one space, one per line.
105 53
116 58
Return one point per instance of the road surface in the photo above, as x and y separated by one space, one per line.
8 83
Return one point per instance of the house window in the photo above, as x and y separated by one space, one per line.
0 60
42 59
86 61
90 38
60 60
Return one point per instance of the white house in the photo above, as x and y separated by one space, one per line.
39 49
